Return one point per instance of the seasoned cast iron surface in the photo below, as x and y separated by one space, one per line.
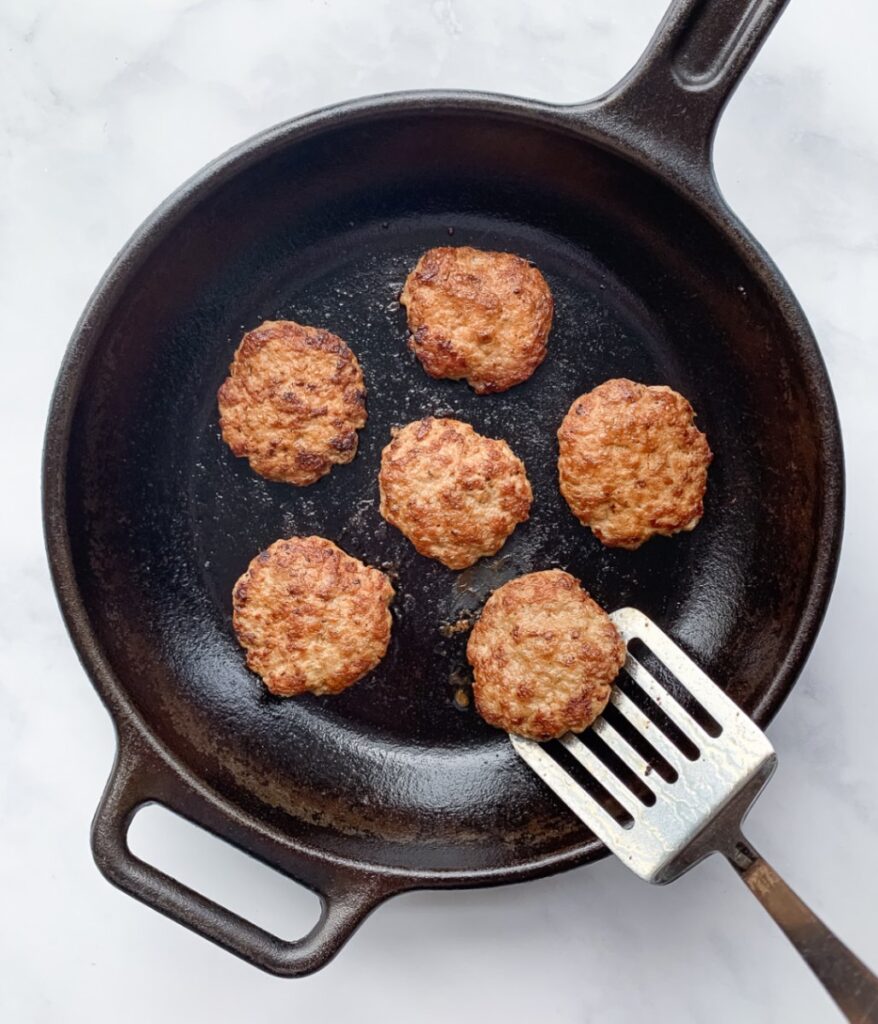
163 519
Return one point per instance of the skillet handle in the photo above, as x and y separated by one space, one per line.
700 51
138 779
845 977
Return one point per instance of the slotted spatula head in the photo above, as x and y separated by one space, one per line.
667 773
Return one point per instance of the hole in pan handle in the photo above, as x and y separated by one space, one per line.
139 778
675 93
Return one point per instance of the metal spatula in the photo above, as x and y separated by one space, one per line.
666 776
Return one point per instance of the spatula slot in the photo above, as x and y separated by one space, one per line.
657 716
640 743
666 678
618 767
581 776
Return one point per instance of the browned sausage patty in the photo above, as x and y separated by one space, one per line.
544 656
479 316
632 462
293 402
310 617
455 494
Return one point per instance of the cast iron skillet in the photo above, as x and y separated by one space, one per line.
149 519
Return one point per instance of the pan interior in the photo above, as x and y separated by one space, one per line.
323 230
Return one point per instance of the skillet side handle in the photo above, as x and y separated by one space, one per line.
700 51
135 783
846 978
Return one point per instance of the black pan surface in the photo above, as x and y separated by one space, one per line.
151 519
163 519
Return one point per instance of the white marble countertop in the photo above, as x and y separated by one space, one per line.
105 109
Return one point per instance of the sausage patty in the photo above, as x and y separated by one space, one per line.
310 617
293 402
544 656
479 316
455 494
632 463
